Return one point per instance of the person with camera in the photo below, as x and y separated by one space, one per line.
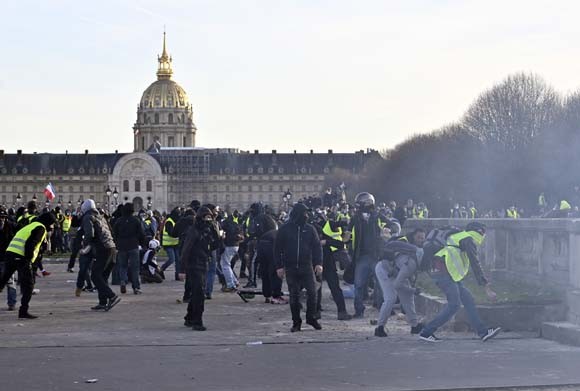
199 243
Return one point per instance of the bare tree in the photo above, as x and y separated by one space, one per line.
511 114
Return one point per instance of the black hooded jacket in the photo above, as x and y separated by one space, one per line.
297 243
201 239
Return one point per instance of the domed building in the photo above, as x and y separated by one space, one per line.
164 115
166 169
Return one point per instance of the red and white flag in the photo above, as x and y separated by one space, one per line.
49 192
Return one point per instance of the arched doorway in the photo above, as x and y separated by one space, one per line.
138 203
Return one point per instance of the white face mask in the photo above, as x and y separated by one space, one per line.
366 216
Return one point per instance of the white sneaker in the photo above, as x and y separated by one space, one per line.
491 332
35 291
432 338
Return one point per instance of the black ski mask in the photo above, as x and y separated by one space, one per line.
299 214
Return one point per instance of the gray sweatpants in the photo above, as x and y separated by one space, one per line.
398 285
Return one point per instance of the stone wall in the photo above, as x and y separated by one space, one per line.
537 251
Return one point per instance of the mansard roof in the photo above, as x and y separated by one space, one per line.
57 163
184 161
287 163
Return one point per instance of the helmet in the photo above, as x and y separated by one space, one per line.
153 244
476 226
364 199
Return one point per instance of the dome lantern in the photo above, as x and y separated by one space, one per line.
164 71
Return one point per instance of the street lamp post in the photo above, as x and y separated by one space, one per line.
34 197
115 196
47 204
149 204
108 193
18 199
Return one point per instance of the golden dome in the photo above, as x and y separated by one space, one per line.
164 93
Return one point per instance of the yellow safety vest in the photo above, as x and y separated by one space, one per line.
336 235
472 213
564 205
167 239
457 261
18 243
236 219
342 216
27 217
512 214
66 224
423 213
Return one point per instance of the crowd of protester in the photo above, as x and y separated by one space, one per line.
357 249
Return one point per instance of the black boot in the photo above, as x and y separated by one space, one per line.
380 331
314 323
296 327
24 314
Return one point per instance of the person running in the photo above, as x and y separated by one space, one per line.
450 266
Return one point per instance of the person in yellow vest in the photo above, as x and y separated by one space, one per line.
471 210
66 226
171 243
333 250
422 211
22 252
450 266
512 213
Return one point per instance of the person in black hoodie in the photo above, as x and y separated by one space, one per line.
7 232
199 243
298 254
129 235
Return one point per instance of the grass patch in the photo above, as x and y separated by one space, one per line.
508 292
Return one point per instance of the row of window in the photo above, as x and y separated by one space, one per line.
137 185
179 119
38 189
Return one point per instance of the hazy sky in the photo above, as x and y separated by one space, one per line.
267 74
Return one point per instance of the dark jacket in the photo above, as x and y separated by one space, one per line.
6 234
468 246
199 242
297 244
233 232
367 236
96 230
128 233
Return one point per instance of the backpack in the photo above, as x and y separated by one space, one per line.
436 239
102 231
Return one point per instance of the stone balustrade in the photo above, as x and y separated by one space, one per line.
538 251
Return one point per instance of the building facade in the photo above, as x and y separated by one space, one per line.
166 169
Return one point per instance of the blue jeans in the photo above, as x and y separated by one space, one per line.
226 264
83 276
364 268
456 295
10 290
210 276
129 266
173 257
